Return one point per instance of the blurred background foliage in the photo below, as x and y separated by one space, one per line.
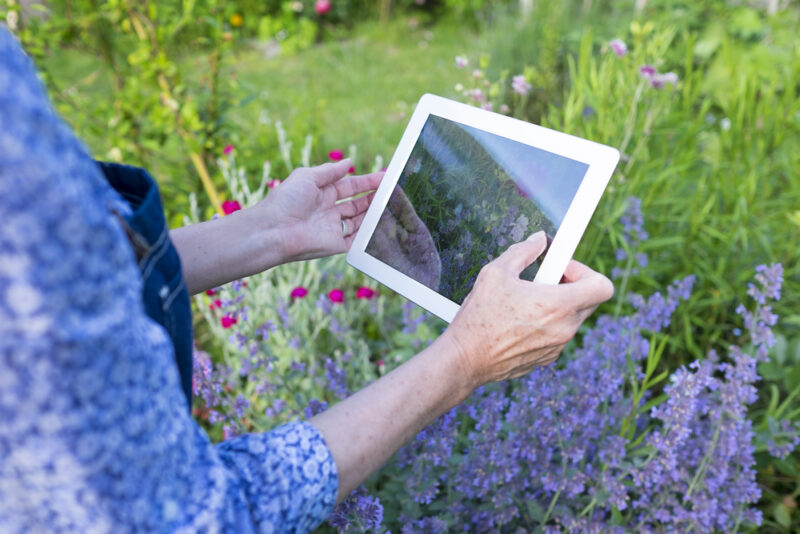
715 159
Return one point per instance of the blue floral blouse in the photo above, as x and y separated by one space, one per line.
94 432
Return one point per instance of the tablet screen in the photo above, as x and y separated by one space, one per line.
463 197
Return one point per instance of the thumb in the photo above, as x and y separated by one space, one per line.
522 254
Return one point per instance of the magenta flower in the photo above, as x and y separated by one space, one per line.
214 305
647 71
211 292
520 85
660 80
228 150
352 169
618 46
336 155
461 62
299 292
272 184
657 80
365 293
229 206
322 6
336 295
228 321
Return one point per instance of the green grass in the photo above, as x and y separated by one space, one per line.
360 90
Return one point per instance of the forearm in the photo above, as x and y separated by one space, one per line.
219 251
366 429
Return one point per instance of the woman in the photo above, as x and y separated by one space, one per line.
96 435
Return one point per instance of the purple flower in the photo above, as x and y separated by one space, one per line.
660 80
647 72
337 378
618 46
314 407
461 62
657 80
358 510
520 85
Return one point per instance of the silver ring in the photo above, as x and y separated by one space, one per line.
344 227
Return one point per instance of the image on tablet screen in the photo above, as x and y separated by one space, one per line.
463 197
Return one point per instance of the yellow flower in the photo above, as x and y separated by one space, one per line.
236 20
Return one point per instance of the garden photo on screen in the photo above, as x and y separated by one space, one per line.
464 196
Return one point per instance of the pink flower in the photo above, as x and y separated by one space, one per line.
365 293
488 106
660 80
211 292
228 150
336 295
504 108
657 81
272 184
618 46
380 363
215 304
336 155
520 85
322 6
352 169
478 96
299 292
647 71
229 206
461 62
228 321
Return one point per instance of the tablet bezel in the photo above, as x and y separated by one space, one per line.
601 160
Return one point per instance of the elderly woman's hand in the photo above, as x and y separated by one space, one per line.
310 205
508 326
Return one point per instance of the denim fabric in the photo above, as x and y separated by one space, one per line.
164 293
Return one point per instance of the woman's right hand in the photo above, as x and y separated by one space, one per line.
508 326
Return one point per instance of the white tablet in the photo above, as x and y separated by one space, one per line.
465 184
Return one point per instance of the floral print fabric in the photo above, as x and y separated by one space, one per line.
95 435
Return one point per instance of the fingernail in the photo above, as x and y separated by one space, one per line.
538 236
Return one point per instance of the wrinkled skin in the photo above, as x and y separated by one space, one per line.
402 241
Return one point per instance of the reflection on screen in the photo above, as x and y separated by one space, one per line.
463 197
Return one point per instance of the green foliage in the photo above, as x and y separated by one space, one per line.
714 161
154 104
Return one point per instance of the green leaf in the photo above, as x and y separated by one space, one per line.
782 515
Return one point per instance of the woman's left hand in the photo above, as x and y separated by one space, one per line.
310 205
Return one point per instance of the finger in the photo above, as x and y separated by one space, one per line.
575 271
588 291
354 223
351 208
520 255
355 185
327 173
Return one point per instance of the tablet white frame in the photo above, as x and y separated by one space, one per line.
601 160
